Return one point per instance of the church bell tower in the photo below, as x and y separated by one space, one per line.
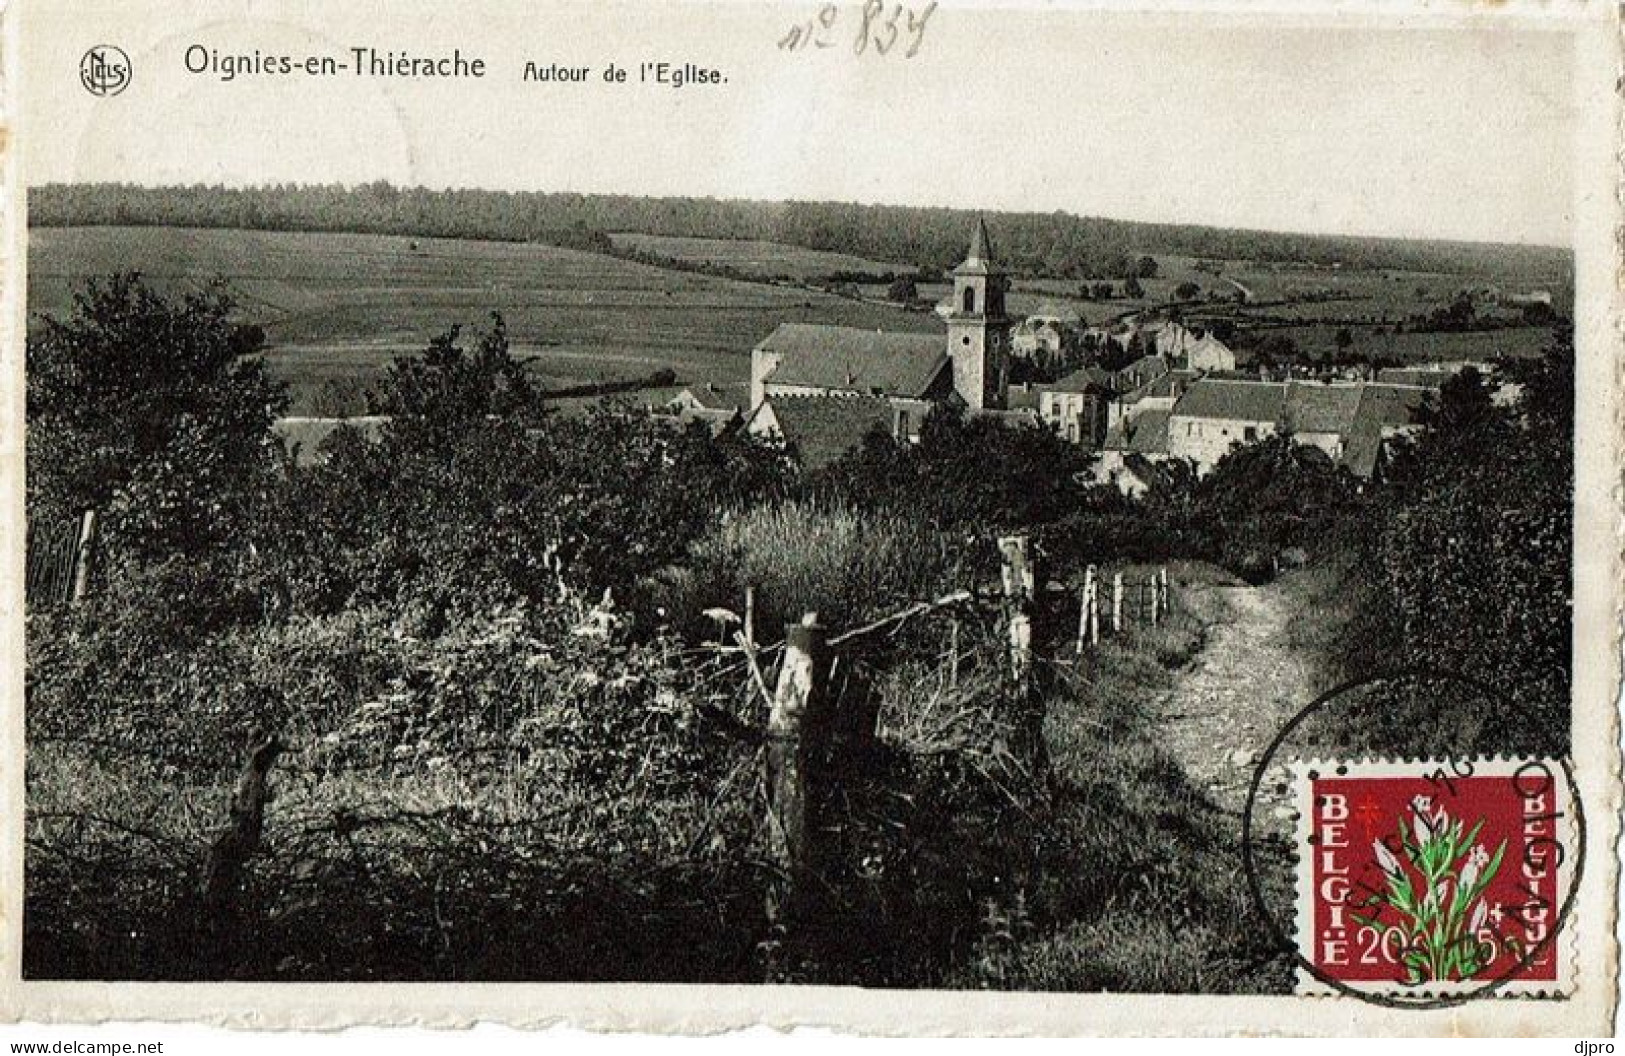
978 329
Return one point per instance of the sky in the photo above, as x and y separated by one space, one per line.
1461 129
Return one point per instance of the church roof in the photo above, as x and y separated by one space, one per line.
850 359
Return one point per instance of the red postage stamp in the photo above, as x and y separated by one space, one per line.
1418 880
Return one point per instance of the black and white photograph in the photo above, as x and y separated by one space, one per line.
931 498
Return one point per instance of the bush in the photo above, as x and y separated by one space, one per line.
532 772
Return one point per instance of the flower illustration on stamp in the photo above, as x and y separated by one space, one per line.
1434 895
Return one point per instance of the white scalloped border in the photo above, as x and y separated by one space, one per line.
1567 834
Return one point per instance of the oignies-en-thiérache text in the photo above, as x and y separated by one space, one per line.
357 62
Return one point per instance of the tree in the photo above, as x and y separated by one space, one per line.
1269 495
1187 291
1145 268
1344 339
1471 546
903 290
1132 288
153 409
448 387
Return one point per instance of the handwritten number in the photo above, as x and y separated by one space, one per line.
891 31
917 27
872 30
871 8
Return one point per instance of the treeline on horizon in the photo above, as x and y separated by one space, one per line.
1052 245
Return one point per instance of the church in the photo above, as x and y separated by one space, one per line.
823 388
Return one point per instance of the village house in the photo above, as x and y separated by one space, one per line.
1347 420
1351 422
1196 349
1037 334
1076 406
720 407
887 380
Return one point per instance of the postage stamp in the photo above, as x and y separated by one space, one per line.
1429 879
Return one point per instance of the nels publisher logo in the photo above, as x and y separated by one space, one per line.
104 70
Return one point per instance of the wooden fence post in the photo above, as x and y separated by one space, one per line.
1117 603
1156 600
239 837
795 725
1162 589
83 556
1085 599
1018 597
750 617
1094 609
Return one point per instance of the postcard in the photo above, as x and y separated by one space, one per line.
908 516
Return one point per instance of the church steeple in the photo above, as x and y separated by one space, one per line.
978 331
981 247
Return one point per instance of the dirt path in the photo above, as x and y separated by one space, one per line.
1235 697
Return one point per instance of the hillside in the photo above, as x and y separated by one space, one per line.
1058 245
338 307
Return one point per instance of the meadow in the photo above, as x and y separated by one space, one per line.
340 307
754 258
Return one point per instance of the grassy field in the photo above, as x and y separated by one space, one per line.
338 307
1425 348
757 259
1321 294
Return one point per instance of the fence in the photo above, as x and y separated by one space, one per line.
1145 601
60 560
807 728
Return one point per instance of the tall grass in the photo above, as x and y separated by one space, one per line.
805 556
1139 884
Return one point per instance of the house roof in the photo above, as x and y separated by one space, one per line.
714 397
1249 401
1139 371
1362 448
1391 406
1024 395
1148 433
1018 416
717 419
1312 407
848 358
303 437
1425 378
820 429
1088 379
1163 386
1208 343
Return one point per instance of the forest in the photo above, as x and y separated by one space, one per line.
1049 245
